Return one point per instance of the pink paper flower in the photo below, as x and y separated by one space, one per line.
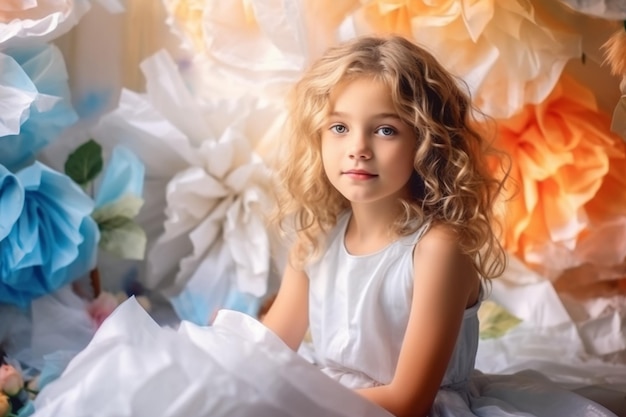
102 307
11 381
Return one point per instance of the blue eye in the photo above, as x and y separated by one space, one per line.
386 131
338 129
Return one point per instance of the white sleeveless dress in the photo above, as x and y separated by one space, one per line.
359 308
238 368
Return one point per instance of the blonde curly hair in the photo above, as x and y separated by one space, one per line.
452 182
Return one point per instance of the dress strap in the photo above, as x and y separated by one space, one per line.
420 232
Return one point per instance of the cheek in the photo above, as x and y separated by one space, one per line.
327 154
403 162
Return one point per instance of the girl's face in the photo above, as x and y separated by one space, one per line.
367 150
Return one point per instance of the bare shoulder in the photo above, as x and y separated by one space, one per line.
439 259
439 240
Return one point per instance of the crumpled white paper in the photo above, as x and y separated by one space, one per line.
563 338
236 367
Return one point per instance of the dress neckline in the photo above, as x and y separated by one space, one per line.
411 239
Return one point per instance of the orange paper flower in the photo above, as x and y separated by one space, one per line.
567 170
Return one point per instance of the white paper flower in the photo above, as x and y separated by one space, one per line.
27 22
202 154
501 48
225 197
256 45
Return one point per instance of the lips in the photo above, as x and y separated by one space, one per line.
359 174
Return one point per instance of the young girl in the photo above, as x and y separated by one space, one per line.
386 183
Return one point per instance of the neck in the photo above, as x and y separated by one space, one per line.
370 228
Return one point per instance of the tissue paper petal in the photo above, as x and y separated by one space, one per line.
123 175
47 20
507 57
11 203
258 46
50 110
243 48
17 93
562 154
54 240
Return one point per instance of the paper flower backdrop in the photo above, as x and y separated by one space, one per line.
501 48
512 54
35 102
567 170
48 237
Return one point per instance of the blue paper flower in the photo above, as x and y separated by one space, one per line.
47 235
34 89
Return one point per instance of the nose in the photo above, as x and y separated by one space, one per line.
360 147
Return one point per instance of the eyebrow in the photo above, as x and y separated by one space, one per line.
377 116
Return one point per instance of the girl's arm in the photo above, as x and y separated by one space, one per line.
445 282
288 316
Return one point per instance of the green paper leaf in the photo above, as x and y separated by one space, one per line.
495 320
123 237
113 223
127 206
85 163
